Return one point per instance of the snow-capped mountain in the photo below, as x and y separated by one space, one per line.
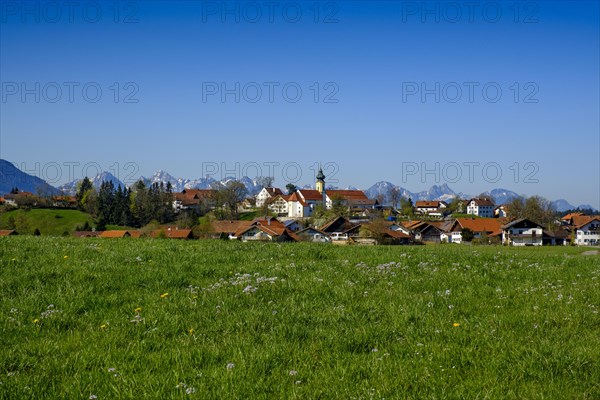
71 187
177 184
11 176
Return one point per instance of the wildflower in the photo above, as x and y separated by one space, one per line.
190 390
230 365
103 326
456 324
164 295
65 257
36 321
138 310
249 289
191 331
112 369
293 372
93 397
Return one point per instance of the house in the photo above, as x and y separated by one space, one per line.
569 218
354 200
266 194
559 237
481 227
293 225
587 231
435 208
12 199
501 211
194 199
426 231
266 229
482 207
278 205
64 201
228 228
8 232
85 234
522 232
115 234
302 203
339 224
370 233
172 233
313 235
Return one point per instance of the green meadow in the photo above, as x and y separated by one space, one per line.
162 319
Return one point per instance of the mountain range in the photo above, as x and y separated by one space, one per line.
11 176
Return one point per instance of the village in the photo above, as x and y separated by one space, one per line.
350 217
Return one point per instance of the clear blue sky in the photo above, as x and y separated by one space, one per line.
384 62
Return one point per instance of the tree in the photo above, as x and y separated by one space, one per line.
467 234
228 197
265 181
406 206
394 195
83 187
534 208
291 188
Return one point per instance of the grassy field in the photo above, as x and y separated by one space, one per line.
114 319
49 221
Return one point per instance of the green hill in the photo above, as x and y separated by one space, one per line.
49 221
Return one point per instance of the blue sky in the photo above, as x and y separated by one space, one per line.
410 92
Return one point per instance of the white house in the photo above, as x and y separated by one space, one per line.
302 203
522 232
278 204
483 207
587 233
265 194
430 207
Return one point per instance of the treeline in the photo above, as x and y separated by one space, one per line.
135 207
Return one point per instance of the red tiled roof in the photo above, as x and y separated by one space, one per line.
7 232
583 220
115 234
310 194
229 226
352 195
172 233
487 225
482 202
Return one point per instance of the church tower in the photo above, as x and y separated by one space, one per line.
320 184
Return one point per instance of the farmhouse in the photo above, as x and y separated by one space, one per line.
482 207
8 232
587 231
313 235
434 208
266 194
481 227
522 232
194 199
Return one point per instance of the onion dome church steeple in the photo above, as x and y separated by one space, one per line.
320 184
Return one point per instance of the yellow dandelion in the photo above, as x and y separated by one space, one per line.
138 310
164 295
103 326
36 321
65 257
14 259
191 331
456 324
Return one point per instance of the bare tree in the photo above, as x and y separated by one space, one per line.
394 195
265 181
